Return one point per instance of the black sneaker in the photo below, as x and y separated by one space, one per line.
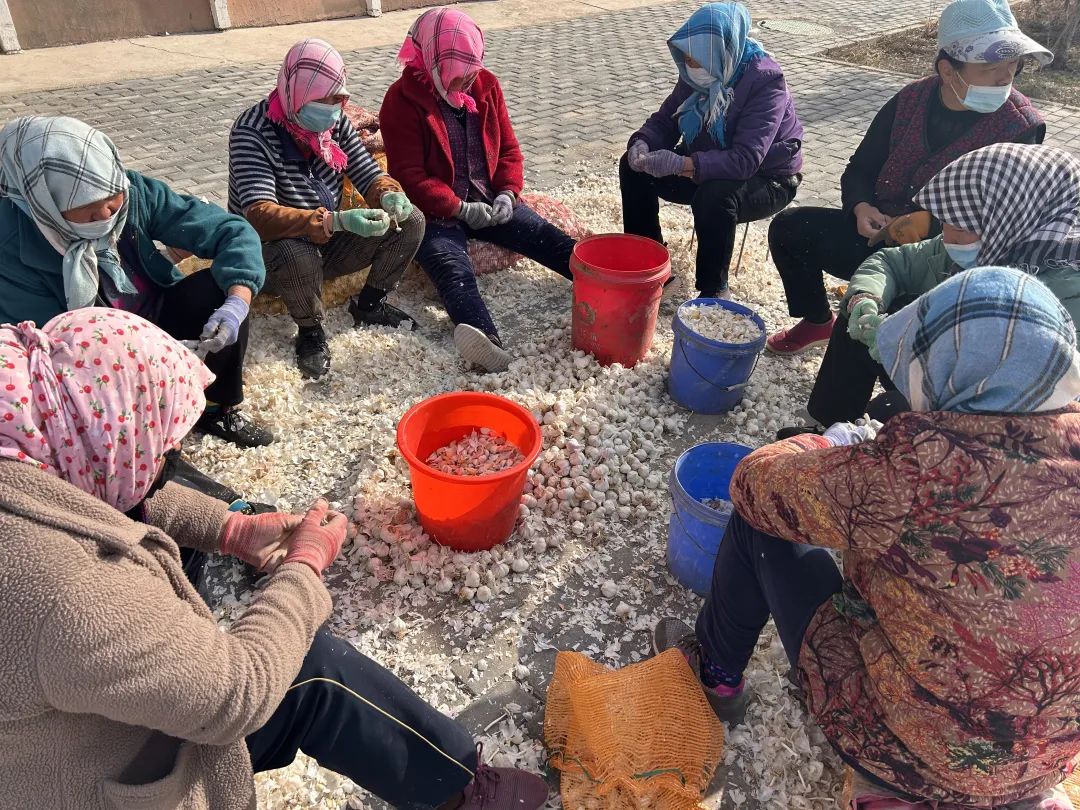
312 352
382 314
233 425
798 430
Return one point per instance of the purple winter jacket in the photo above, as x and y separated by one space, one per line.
763 132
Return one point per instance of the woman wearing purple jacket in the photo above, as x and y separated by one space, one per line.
726 141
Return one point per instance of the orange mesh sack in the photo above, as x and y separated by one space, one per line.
1072 788
642 736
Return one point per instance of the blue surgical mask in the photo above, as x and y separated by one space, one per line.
700 76
318 117
985 99
94 230
964 255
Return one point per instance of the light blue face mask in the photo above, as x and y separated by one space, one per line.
94 230
964 255
985 99
318 117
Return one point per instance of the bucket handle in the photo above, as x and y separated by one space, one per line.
736 387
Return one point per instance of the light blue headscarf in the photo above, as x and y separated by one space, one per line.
51 165
987 340
716 37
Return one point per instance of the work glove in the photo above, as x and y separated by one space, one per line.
259 540
847 433
860 308
223 327
318 538
476 215
366 222
502 210
397 205
635 155
663 163
905 230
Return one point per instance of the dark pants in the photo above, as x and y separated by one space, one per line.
444 255
719 206
807 242
184 310
356 718
845 381
756 576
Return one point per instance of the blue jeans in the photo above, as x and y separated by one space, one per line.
444 256
756 576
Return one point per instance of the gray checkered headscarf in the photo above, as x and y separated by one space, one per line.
1022 200
51 165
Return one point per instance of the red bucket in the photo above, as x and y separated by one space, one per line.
618 282
467 513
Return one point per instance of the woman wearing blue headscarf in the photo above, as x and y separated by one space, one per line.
726 141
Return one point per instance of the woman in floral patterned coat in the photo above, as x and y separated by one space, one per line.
944 663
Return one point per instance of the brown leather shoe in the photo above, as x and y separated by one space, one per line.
503 789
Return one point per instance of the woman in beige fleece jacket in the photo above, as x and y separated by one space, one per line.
119 690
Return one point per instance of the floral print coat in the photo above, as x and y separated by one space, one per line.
949 664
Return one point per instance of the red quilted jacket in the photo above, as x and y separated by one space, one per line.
418 146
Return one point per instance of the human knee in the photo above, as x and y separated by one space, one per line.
413 228
292 258
716 200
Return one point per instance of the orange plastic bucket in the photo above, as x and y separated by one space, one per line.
466 513
618 282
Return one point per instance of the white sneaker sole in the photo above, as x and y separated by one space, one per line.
476 348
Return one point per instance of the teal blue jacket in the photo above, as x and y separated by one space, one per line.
31 270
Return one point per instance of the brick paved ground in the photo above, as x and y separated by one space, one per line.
576 90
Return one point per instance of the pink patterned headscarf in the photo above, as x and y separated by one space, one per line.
445 44
313 69
96 397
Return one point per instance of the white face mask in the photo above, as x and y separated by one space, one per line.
700 76
984 99
94 230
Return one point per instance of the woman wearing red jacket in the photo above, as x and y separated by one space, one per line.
450 144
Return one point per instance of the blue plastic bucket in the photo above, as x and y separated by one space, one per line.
695 530
708 376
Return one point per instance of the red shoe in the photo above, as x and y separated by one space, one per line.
800 338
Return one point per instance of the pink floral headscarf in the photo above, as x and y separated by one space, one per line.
445 44
313 69
96 397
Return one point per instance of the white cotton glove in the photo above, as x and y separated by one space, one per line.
843 434
476 215
635 155
502 208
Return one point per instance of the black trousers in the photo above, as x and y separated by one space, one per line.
184 311
847 375
719 206
356 718
807 242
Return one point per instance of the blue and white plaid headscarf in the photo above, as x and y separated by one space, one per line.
716 37
987 340
51 165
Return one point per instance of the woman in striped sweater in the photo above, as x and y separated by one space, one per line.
288 159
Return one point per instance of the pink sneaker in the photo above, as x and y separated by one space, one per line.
800 338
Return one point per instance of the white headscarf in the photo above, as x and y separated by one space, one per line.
51 165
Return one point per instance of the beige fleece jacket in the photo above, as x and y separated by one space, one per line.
117 687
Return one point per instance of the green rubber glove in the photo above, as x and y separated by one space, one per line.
397 205
365 222
856 325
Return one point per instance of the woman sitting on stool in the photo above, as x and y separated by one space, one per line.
726 142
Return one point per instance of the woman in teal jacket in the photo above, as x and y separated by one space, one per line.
78 230
1015 205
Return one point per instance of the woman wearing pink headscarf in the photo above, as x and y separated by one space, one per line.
119 689
450 142
288 159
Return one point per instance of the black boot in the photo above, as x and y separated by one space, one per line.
312 351
381 314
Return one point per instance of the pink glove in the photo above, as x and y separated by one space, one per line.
258 540
318 538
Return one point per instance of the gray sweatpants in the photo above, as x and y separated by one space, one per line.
296 268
